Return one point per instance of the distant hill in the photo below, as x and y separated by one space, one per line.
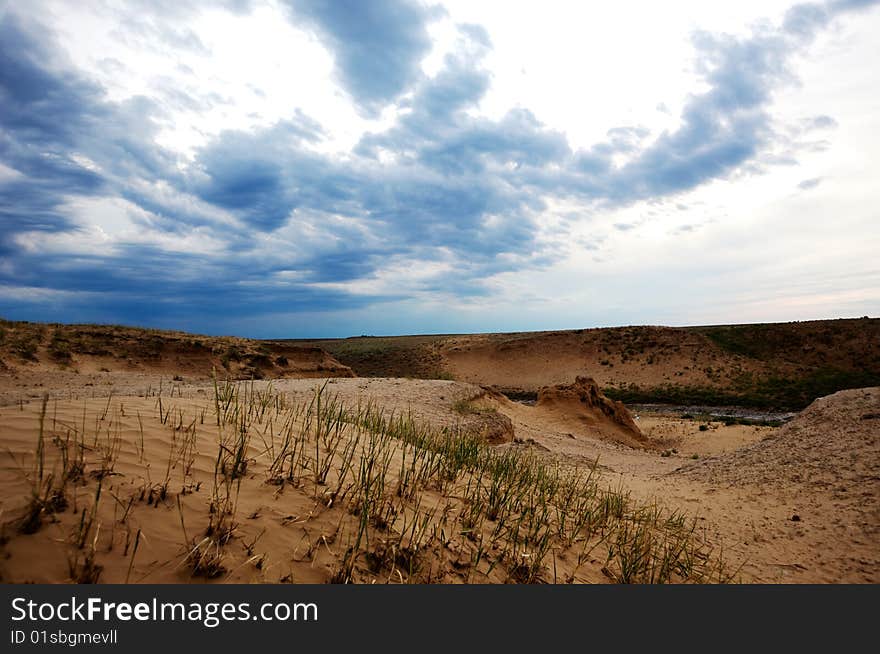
777 365
92 348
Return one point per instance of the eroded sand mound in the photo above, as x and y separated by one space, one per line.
583 404
493 427
483 414
834 443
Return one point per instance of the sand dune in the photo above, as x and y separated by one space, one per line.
147 472
805 499
833 444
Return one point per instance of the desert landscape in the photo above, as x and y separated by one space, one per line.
743 453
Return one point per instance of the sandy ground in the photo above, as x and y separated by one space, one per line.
283 533
772 524
718 438
748 507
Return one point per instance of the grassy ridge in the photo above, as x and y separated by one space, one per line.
774 392
849 344
116 347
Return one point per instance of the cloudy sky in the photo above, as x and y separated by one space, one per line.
276 168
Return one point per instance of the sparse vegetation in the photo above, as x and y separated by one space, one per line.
409 502
467 406
59 349
112 346
774 392
417 357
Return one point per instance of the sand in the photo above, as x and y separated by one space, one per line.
794 504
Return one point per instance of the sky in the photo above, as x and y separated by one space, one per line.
317 168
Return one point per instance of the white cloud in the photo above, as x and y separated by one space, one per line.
765 243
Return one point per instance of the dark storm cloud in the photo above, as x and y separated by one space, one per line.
63 140
41 118
49 117
443 186
285 218
378 45
39 107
